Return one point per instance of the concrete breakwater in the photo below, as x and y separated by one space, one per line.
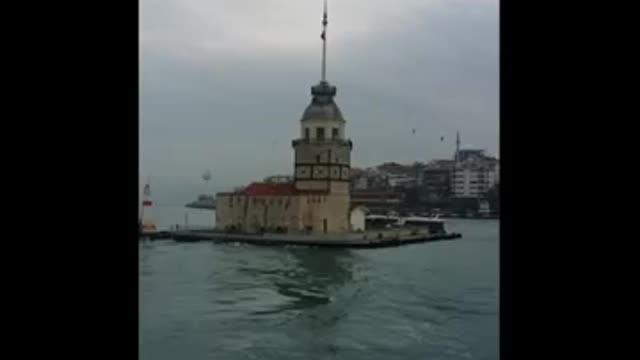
367 239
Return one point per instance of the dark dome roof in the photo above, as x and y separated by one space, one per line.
322 106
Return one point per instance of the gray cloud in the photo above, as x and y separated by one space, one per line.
224 83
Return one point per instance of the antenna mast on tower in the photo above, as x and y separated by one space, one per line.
457 145
324 43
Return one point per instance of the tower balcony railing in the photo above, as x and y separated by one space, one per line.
323 142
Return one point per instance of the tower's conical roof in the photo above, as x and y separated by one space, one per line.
322 106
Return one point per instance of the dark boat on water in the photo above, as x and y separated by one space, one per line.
207 202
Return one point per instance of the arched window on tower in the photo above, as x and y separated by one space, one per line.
320 133
306 133
334 133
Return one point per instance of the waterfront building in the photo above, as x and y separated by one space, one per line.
401 181
361 182
358 218
377 200
474 172
436 179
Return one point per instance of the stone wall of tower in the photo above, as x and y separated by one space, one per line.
342 187
312 185
230 210
316 210
312 152
322 165
337 211
251 213
295 213
271 212
309 127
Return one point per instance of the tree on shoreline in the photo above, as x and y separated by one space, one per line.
493 197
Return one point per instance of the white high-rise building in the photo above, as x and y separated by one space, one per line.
474 174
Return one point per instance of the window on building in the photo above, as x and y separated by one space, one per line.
334 133
317 158
306 133
320 133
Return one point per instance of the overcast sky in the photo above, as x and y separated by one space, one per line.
224 83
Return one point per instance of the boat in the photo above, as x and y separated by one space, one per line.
207 202
380 221
204 201
434 224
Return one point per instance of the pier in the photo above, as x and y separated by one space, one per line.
368 239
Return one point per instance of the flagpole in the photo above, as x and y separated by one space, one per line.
324 42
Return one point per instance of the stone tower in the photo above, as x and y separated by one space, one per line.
322 152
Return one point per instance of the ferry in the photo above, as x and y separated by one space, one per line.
381 221
204 201
434 224
207 202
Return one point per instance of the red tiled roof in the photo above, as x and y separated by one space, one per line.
273 189
270 189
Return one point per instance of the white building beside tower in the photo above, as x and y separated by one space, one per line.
474 172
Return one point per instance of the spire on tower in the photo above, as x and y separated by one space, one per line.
323 36
324 18
322 94
457 144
